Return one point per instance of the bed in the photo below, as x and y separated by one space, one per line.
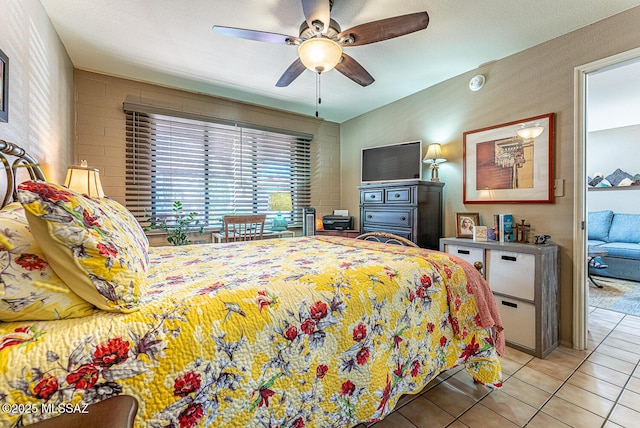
294 332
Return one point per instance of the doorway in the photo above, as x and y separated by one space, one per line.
583 120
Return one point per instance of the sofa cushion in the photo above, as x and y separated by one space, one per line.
595 242
625 228
599 223
622 249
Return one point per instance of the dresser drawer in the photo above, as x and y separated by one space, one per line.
393 218
398 195
470 254
404 233
511 273
519 321
373 196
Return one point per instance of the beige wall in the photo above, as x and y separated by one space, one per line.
530 83
100 130
40 86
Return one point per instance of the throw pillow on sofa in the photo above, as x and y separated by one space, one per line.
625 228
598 223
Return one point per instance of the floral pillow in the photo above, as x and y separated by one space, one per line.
32 290
95 245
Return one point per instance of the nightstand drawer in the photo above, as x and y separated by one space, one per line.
373 196
511 273
519 321
399 195
470 254
392 218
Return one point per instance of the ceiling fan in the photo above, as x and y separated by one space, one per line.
321 40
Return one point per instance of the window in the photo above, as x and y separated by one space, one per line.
213 167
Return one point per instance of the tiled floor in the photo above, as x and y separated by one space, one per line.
599 387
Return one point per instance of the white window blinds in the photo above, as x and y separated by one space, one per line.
213 168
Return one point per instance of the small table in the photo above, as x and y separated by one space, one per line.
219 236
592 253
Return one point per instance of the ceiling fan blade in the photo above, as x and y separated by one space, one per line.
291 73
317 11
260 36
384 29
354 71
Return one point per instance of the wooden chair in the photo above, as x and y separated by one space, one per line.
387 238
243 227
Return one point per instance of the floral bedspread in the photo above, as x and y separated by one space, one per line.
291 332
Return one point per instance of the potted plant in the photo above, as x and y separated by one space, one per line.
179 228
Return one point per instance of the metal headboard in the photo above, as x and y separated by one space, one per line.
14 157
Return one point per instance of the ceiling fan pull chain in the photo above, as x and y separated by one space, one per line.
318 99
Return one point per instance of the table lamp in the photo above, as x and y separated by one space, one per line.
434 157
84 180
280 201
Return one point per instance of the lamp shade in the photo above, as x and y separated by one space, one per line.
529 132
85 180
320 54
434 154
280 201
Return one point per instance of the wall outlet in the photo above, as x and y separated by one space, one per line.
558 187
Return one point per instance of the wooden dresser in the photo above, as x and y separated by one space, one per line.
411 209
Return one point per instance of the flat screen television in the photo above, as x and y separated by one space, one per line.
392 162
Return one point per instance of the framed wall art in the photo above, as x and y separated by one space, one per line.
510 163
4 87
465 222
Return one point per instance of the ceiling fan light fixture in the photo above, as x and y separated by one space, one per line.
320 54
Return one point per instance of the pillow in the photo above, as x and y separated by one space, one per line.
95 245
32 290
598 223
625 228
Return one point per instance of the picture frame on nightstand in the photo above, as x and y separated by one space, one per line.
465 222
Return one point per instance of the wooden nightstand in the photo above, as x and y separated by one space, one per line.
345 233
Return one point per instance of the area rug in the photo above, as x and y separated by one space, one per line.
616 295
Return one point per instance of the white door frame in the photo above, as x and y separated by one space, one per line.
580 301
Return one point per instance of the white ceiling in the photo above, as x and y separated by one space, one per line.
613 97
170 42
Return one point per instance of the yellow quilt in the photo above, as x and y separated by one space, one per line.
310 331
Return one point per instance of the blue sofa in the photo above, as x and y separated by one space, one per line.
619 235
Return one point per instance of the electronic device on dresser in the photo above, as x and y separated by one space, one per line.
391 162
308 221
